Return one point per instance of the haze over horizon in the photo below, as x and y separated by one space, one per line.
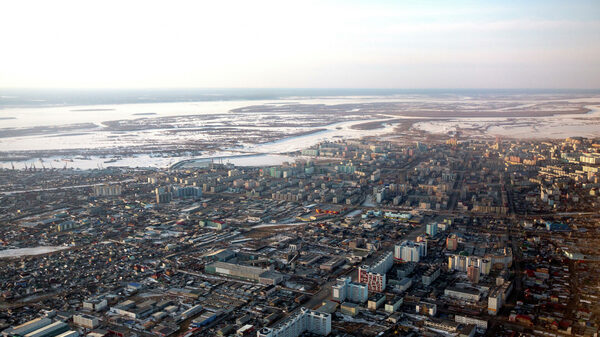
307 44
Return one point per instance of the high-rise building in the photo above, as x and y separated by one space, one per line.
344 290
107 190
163 195
462 262
451 263
497 296
452 242
303 321
374 276
188 192
432 229
375 282
486 266
473 274
383 264
410 251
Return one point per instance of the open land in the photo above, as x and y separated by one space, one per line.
111 135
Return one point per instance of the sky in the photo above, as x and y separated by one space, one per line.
300 44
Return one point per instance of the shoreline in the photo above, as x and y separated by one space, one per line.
173 143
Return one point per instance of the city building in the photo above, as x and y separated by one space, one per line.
452 242
473 274
479 322
467 294
375 275
461 262
392 304
430 275
432 229
410 251
498 296
187 192
349 308
95 304
375 301
344 290
426 308
163 195
107 190
375 282
403 284
86 321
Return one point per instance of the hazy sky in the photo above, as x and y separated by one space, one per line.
254 43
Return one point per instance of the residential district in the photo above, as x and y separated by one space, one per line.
455 237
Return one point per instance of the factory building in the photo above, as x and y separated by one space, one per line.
265 276
51 330
70 333
27 327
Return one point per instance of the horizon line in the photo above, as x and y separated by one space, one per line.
288 88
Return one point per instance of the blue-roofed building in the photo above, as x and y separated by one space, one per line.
134 286
557 227
204 319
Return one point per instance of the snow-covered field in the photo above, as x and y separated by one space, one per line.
18 252
558 126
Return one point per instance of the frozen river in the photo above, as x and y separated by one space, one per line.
257 132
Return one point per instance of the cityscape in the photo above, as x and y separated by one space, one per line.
458 237
300 168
